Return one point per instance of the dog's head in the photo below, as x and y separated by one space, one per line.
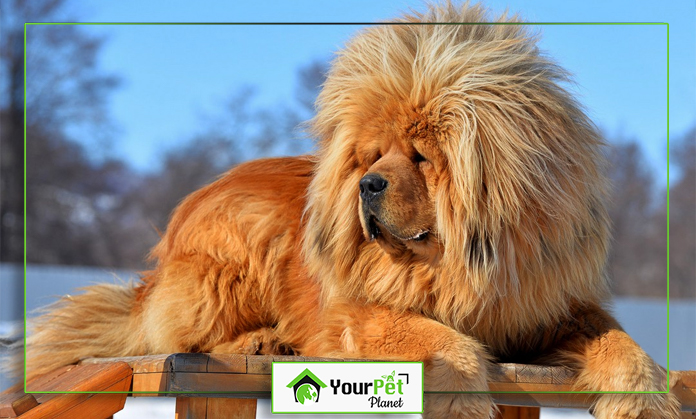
454 150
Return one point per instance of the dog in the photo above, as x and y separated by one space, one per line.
454 214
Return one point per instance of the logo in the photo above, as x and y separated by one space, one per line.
306 387
347 387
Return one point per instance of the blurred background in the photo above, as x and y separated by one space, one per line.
125 120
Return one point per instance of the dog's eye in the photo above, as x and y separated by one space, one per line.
419 158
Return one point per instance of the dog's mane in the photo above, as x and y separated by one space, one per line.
520 208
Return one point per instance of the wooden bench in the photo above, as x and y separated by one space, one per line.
227 386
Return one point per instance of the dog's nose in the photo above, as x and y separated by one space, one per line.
372 185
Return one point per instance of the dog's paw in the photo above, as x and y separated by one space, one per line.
636 406
461 367
259 342
615 363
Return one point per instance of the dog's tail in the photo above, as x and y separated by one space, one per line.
103 321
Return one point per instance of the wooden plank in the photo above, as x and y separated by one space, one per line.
184 362
16 392
262 364
231 408
8 397
539 374
95 406
15 403
230 385
191 408
518 412
504 373
532 374
256 365
48 381
162 373
249 385
258 385
214 408
150 382
157 363
684 387
232 363
139 364
24 404
529 412
290 358
81 378
507 412
190 362
107 377
525 395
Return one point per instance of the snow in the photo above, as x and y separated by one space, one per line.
156 408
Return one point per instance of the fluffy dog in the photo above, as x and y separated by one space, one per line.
453 214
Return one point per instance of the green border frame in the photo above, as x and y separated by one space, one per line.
326 24
349 362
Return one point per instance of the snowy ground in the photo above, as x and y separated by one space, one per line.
164 409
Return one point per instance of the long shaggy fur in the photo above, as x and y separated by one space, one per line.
90 324
489 243
521 206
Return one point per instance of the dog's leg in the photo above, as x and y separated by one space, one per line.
453 362
609 360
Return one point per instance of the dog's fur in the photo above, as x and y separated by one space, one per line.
489 240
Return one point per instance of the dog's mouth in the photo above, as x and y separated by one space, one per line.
375 228
372 228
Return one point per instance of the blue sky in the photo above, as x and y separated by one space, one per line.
173 76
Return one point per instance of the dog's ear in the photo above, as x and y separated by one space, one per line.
524 179
333 234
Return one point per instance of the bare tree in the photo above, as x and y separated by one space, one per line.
682 218
310 79
71 201
638 260
64 89
185 169
634 266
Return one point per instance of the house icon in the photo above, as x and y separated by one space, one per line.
306 387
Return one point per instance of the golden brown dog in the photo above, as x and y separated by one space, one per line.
454 214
